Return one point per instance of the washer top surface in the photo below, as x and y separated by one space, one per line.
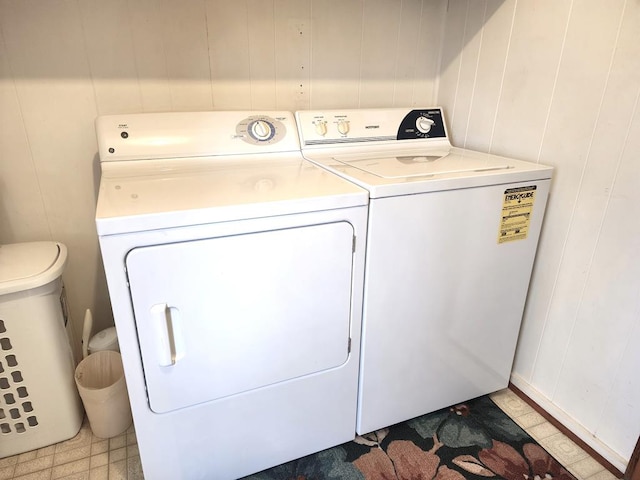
233 166
409 152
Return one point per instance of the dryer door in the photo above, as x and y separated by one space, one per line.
222 316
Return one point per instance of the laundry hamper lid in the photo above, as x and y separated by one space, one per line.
29 265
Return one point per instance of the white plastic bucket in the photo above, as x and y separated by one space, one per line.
100 381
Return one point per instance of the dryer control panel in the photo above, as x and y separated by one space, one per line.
380 125
143 136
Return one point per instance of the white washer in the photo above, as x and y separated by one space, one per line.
451 242
235 270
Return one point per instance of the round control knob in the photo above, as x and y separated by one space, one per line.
424 124
321 127
261 130
343 127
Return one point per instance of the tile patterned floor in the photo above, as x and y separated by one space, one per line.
86 457
574 458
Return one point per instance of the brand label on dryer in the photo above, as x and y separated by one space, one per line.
517 206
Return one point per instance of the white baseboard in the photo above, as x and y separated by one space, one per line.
569 422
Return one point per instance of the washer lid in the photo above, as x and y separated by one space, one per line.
410 171
419 163
29 265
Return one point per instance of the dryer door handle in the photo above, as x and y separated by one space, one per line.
168 333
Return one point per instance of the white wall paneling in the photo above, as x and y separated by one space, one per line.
229 53
579 178
148 46
112 61
22 210
498 20
535 48
293 54
525 98
336 50
616 258
379 57
418 53
561 79
262 53
186 45
451 57
467 70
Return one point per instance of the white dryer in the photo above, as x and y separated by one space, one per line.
451 242
235 271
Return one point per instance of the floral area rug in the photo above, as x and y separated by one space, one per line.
472 440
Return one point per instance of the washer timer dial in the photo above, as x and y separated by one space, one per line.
424 124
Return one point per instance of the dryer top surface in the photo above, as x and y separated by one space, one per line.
167 193
175 169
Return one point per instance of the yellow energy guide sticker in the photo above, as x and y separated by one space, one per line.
516 213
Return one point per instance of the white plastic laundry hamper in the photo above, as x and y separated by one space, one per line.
39 402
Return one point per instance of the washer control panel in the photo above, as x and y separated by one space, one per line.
332 127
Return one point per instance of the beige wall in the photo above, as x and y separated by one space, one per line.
64 62
557 82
